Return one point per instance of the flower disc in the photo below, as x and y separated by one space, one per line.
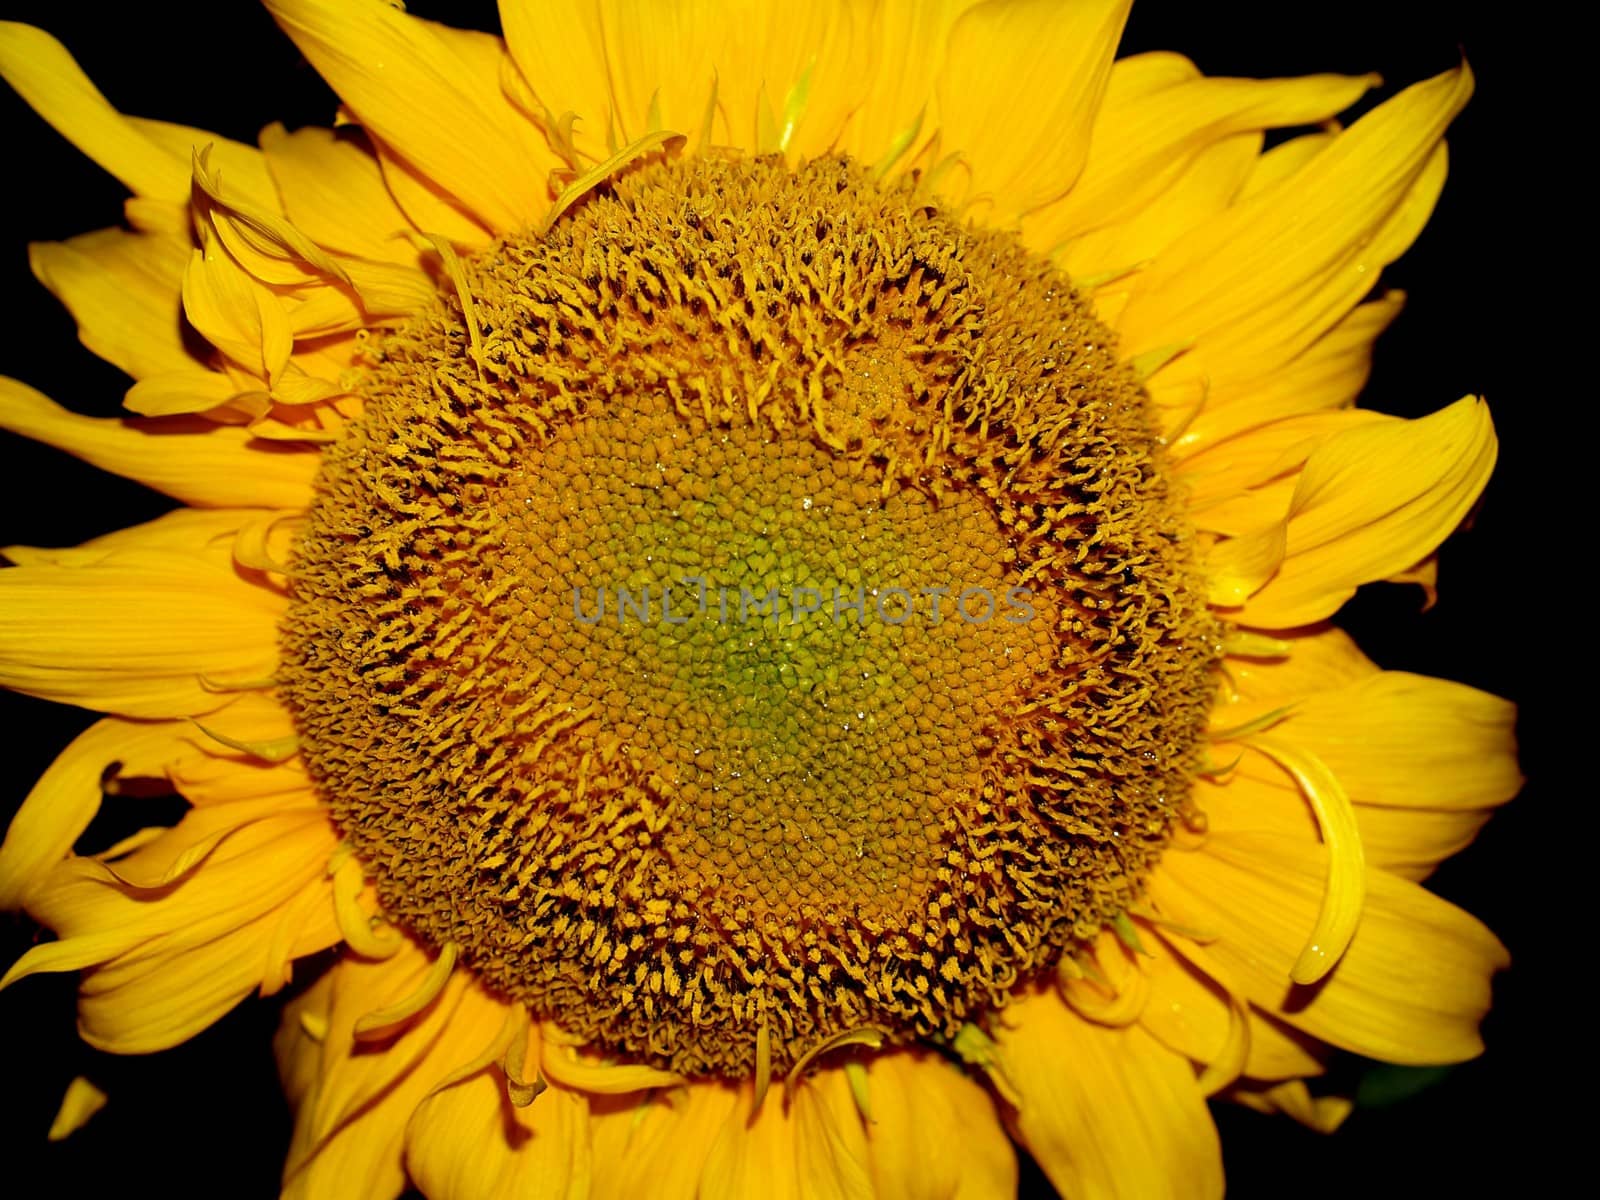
750 612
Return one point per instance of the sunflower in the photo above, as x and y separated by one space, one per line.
753 602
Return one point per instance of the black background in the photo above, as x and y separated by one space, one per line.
206 1119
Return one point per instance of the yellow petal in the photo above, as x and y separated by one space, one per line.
401 1011
1284 159
804 66
559 47
814 1148
1147 73
1189 1012
134 632
302 1028
199 463
1408 842
331 357
351 1109
1142 142
80 1103
187 529
430 93
123 290
1116 992
1370 502
1424 574
297 388
1260 282
244 167
663 140
1345 889
60 806
1106 1112
268 246
332 189
1411 988
167 964
1238 567
908 38
354 1076
1425 760
93 908
1019 93
1407 740
1206 184
214 775
1250 479
664 60
208 771
1292 1098
177 853
1328 375
181 392
1320 660
462 1144
378 293
565 1066
428 205
158 217
1412 842
53 84
236 314
656 1143
151 158
935 1133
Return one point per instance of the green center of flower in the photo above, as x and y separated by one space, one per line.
758 614
804 665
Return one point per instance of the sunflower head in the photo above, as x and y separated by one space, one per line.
779 541
929 702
